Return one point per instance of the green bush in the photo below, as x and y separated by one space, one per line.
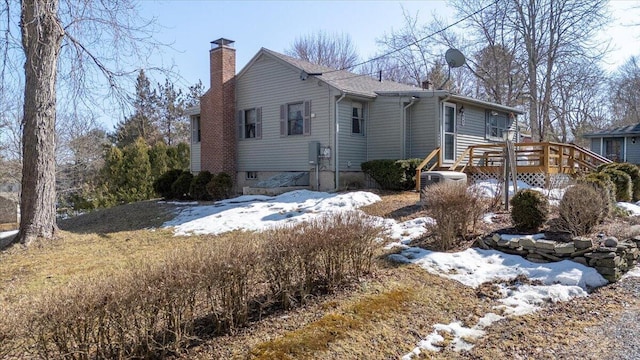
180 187
162 185
529 210
622 181
605 187
198 188
220 186
633 172
392 174
582 207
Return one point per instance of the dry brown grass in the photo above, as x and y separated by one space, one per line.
383 316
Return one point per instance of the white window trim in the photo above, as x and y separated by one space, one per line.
362 119
443 133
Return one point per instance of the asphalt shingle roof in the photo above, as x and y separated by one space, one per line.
623 130
344 80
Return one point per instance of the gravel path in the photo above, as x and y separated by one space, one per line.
623 332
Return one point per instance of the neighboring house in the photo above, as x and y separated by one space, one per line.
621 144
278 113
9 211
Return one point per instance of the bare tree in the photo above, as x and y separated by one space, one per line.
97 36
334 50
625 99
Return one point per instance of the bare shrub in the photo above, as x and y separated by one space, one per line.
582 208
455 209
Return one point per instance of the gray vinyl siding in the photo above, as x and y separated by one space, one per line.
595 145
633 151
473 132
352 147
195 157
269 83
423 129
384 132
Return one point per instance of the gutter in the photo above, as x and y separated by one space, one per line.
404 125
337 140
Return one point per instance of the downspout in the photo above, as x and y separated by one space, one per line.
337 135
404 126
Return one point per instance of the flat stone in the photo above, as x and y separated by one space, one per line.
608 262
580 252
545 244
608 270
548 256
565 248
611 241
503 242
581 260
600 255
605 249
496 237
582 242
535 258
527 242
514 243
562 236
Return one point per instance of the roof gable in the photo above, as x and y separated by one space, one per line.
345 81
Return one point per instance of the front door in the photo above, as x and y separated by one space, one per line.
448 136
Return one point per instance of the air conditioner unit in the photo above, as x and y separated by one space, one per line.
428 178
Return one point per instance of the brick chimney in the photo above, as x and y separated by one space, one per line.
217 111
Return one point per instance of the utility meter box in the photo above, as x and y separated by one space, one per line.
314 152
428 178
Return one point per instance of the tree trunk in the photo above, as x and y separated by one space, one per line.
41 38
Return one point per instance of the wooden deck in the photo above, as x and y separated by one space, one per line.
545 157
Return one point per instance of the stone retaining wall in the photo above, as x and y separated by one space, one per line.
609 256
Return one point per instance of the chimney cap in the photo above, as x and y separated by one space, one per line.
221 42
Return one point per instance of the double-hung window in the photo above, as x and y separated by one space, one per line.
195 129
357 118
250 123
295 121
497 124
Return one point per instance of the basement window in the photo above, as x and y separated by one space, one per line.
252 175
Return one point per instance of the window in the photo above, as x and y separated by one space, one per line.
357 119
295 118
449 132
195 129
252 175
250 123
497 124
295 121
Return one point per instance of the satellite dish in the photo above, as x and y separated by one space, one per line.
454 58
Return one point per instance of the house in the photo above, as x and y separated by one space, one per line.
621 144
9 211
281 115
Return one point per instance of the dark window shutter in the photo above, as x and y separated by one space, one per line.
307 118
283 120
259 123
240 122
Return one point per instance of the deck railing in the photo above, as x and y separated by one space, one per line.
543 157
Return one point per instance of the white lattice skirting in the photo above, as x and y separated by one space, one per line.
533 179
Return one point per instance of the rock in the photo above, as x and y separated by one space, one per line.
503 242
611 262
583 242
600 255
527 242
514 243
545 244
535 258
604 249
607 270
496 237
565 248
563 236
581 260
611 241
580 252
